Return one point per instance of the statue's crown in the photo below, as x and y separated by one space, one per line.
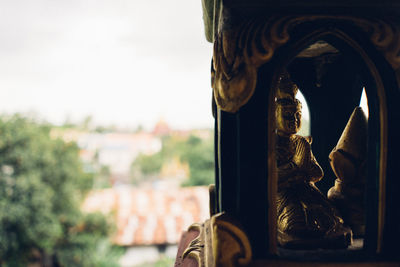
287 89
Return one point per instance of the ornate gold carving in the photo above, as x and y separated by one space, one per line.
237 55
240 51
220 243
230 244
385 36
195 249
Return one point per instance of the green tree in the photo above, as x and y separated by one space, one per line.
149 164
197 152
41 187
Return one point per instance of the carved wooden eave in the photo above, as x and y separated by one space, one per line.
240 50
221 242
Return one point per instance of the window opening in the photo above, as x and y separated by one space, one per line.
305 127
364 103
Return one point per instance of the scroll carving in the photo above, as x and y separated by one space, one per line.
239 52
231 246
220 243
195 249
385 37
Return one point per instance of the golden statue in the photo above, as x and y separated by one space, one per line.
306 218
348 162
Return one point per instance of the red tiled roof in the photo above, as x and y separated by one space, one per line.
149 216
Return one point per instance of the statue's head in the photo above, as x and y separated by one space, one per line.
288 116
288 108
287 89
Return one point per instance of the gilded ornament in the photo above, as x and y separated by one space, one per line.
231 246
220 243
195 249
240 51
348 162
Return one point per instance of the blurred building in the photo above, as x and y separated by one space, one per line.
149 222
115 150
118 150
161 128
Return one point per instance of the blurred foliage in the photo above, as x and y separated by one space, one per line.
85 243
149 164
41 187
200 156
197 152
102 177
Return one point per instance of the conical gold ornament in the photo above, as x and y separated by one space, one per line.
354 137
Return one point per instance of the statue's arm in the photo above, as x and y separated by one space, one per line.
290 172
315 171
287 169
306 161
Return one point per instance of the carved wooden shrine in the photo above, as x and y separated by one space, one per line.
332 50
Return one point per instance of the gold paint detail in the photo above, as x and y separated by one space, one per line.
238 53
213 199
195 250
382 160
230 245
221 242
241 50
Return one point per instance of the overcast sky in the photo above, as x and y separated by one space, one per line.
125 62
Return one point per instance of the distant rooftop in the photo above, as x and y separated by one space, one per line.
150 217
161 128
